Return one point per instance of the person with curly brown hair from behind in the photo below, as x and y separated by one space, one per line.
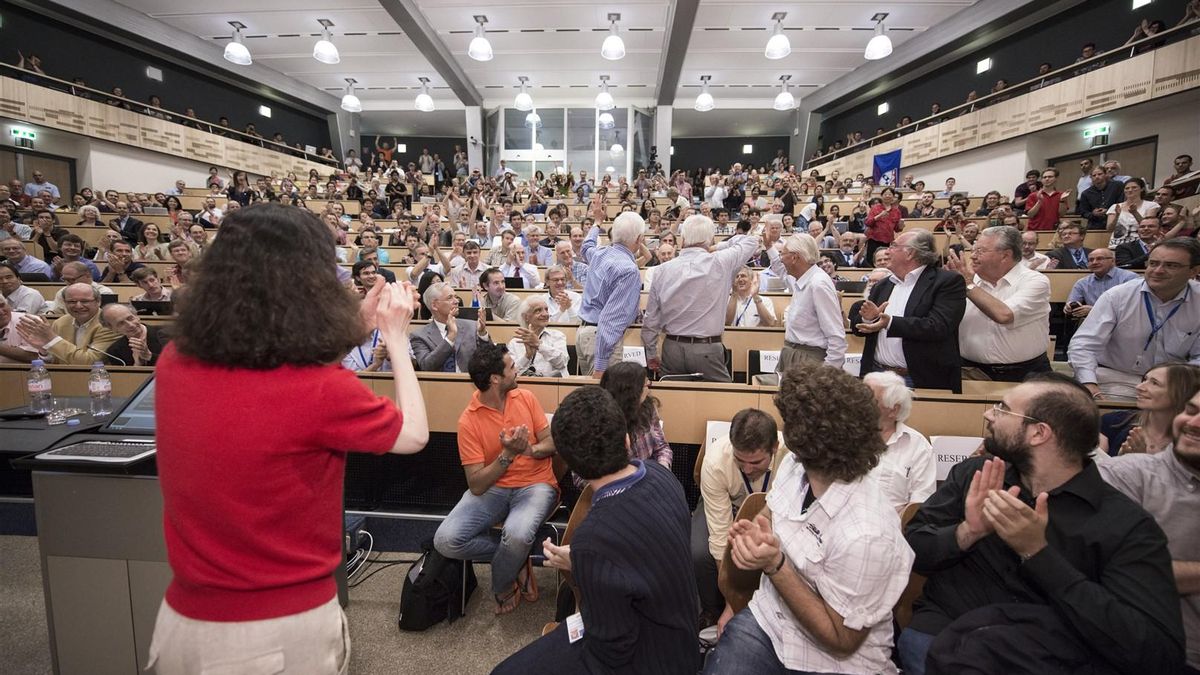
826 526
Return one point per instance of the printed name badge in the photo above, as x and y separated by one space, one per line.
950 450
633 353
575 627
714 430
768 361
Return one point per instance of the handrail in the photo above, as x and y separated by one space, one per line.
1182 29
171 115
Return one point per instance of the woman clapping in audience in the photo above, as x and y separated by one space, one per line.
1162 394
147 244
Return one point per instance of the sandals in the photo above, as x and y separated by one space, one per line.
529 589
506 603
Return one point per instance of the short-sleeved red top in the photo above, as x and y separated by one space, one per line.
251 464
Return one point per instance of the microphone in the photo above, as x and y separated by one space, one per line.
115 358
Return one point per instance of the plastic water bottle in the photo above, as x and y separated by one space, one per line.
38 381
100 389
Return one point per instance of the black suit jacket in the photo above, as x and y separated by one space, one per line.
131 230
1130 255
1066 261
929 329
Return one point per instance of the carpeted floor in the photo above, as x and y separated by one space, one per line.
473 644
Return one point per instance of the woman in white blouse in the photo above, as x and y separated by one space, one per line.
907 470
747 308
537 350
1123 218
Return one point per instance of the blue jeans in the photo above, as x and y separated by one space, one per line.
745 648
467 534
913 647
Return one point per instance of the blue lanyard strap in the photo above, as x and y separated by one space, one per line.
749 489
1155 327
746 307
374 341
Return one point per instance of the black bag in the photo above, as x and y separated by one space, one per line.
433 590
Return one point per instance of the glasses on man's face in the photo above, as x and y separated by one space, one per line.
895 246
1168 266
1002 407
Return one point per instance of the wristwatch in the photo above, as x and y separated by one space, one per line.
505 461
970 287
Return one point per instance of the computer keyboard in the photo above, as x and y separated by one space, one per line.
102 451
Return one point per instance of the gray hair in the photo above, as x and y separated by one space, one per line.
435 292
894 392
696 230
553 269
527 305
627 228
1008 238
103 313
924 247
804 245
79 267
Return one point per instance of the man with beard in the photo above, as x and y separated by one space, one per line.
1034 563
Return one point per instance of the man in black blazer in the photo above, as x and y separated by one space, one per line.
1071 255
1132 255
447 342
126 224
926 323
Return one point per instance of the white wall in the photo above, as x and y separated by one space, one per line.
1000 166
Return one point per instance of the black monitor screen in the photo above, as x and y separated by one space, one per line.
137 415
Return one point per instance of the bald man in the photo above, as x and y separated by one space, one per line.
77 338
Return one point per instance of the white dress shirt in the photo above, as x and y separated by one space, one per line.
442 329
849 547
1037 261
568 315
465 277
550 359
1116 333
9 337
1027 294
527 272
907 470
889 351
813 295
745 312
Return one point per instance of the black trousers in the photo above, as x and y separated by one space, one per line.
1011 372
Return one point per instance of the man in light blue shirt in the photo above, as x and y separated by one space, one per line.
1104 275
40 183
611 295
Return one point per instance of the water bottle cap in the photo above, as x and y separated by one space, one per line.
98 364
38 362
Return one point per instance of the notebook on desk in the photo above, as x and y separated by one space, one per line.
132 430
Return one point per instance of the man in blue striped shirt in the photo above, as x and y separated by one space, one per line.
611 294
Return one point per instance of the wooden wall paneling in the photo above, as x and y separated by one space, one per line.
160 135
1176 68
1118 85
55 109
111 123
921 146
238 153
13 96
203 146
1011 119
1056 104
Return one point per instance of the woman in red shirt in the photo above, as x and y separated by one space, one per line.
884 220
255 417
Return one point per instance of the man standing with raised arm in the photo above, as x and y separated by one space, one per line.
611 294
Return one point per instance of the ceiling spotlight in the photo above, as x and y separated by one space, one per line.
604 100
480 49
778 46
325 51
350 102
704 102
785 100
533 120
235 51
523 101
606 121
424 101
613 48
880 45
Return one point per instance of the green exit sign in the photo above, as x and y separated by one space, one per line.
19 132
1098 130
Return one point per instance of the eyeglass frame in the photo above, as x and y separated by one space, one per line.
1002 407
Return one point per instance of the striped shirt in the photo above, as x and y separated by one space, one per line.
611 294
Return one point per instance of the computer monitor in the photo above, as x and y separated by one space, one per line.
153 307
514 282
108 298
137 415
32 277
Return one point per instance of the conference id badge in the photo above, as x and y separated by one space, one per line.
575 627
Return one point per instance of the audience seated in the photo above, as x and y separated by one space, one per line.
139 344
1104 276
14 348
20 297
629 386
1133 255
1162 394
76 338
447 343
536 350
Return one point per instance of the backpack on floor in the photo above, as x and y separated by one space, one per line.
433 590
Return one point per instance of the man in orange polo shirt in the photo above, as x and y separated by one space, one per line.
505 445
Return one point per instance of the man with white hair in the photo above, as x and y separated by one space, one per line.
447 342
77 338
537 350
519 267
611 295
907 470
814 296
688 299
563 304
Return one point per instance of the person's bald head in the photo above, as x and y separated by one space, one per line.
665 252
82 301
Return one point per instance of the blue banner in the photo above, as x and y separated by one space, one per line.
887 169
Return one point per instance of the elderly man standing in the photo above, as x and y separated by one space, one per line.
1006 325
447 342
77 338
911 319
816 330
687 302
611 295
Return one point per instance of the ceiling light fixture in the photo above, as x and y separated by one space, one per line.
325 51
880 45
523 101
533 120
704 102
480 49
613 48
235 51
424 101
350 102
778 46
785 100
606 121
604 100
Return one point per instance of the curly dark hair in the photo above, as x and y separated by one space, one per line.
624 381
249 308
488 360
830 421
588 433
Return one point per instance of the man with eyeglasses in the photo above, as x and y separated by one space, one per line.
1072 255
1034 563
1139 325
1004 330
77 338
911 319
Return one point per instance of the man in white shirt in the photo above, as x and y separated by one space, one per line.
517 267
1141 324
563 304
833 558
816 330
733 466
1030 257
907 470
13 347
467 276
178 189
687 302
1006 325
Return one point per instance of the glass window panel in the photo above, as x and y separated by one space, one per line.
550 134
516 135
